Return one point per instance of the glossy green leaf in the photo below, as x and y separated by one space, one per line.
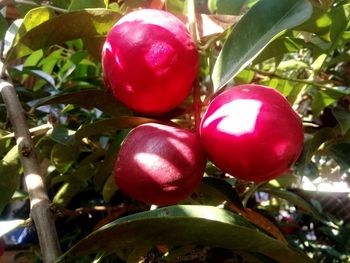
110 126
10 167
253 32
89 99
42 29
185 225
343 118
10 35
62 135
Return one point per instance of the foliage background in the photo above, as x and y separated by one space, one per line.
301 48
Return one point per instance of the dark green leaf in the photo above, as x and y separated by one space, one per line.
62 135
88 98
3 27
341 153
109 189
185 225
343 118
296 200
312 145
253 32
10 167
58 29
215 191
36 72
110 126
63 157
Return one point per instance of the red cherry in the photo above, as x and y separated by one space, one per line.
159 164
150 61
252 133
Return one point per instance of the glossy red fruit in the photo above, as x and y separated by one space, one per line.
150 61
159 164
252 133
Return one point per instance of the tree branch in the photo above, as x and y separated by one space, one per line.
39 201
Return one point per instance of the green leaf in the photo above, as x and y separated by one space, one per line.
343 118
89 99
82 4
185 225
313 144
3 26
296 200
341 153
10 168
63 156
10 35
340 19
214 191
62 135
319 23
58 29
75 183
109 189
109 126
253 32
226 7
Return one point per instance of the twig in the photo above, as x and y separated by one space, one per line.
39 201
248 194
36 131
31 3
302 81
192 25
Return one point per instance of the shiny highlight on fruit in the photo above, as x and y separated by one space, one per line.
159 164
150 61
251 132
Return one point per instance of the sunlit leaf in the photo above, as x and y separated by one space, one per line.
9 176
185 225
227 7
82 4
296 200
42 29
253 32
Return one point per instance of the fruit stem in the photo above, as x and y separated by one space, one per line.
192 27
250 192
197 105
